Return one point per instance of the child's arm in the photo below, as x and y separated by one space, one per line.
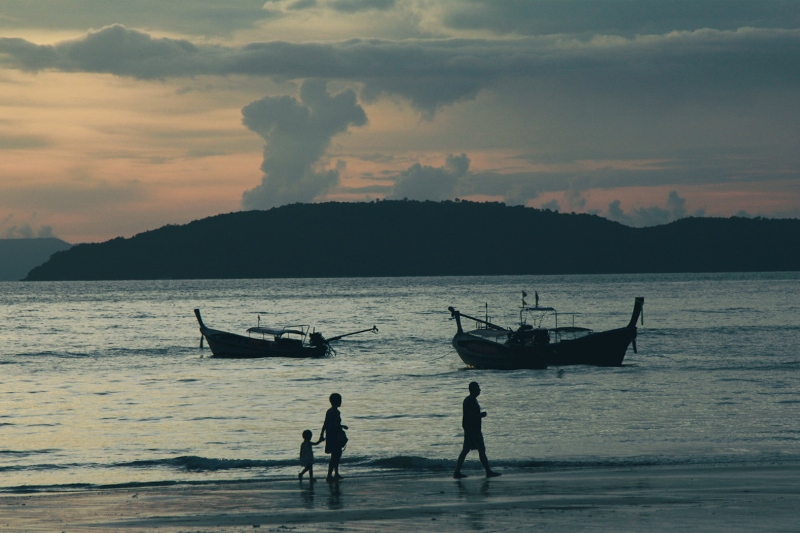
319 441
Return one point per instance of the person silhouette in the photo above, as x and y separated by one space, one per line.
307 456
473 436
334 436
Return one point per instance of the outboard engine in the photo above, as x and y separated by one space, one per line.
316 339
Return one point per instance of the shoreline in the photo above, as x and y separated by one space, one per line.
644 498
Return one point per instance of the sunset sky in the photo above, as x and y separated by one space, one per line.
122 116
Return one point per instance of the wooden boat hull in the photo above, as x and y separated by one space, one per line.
230 345
607 348
284 342
477 352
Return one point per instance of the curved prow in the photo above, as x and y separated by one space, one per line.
199 318
637 312
202 326
455 314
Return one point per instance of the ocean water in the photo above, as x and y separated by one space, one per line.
105 383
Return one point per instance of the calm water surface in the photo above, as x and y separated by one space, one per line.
105 383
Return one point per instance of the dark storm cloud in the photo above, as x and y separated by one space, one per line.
201 17
341 6
433 73
296 134
119 50
356 6
620 17
521 17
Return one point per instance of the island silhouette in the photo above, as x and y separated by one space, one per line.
19 256
425 238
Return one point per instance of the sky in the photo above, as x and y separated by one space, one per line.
118 117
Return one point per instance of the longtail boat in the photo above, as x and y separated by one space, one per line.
533 346
269 341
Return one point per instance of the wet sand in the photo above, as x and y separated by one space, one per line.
702 498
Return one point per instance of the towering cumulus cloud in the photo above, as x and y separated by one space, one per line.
420 182
296 134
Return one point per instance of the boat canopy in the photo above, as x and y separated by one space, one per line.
539 308
267 330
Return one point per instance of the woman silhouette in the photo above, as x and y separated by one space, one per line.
335 438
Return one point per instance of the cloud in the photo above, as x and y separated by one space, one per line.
339 6
790 213
296 135
10 229
82 193
22 142
432 73
200 17
574 199
26 231
356 6
516 17
420 182
623 17
116 49
552 205
520 193
651 216
569 82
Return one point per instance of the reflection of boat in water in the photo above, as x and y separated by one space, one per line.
265 341
534 346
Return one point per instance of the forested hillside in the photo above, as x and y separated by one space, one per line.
408 238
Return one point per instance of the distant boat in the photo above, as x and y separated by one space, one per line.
534 346
266 341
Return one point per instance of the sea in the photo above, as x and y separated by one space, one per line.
106 384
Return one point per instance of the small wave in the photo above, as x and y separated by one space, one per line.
422 464
193 463
365 465
198 418
35 468
33 489
27 453
392 417
410 463
74 487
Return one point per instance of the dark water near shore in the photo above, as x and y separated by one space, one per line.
104 383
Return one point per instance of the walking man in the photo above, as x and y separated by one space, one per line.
473 436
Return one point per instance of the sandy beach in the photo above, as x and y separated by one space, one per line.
697 498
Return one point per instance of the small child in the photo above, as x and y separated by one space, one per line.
307 456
